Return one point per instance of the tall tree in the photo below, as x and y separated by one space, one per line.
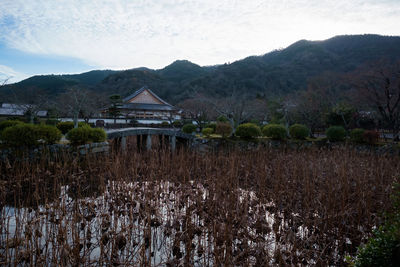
73 101
114 110
379 87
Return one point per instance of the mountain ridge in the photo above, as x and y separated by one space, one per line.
278 72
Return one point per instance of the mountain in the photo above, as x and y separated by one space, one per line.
276 73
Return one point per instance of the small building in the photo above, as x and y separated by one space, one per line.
145 104
19 110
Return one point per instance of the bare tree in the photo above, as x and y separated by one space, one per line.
379 87
198 110
73 101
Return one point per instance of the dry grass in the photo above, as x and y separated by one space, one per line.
259 208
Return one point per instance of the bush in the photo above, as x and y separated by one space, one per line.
212 125
49 134
357 135
383 249
223 128
207 131
371 137
165 124
222 118
86 134
299 131
189 128
275 131
97 135
335 133
65 126
8 123
177 124
21 135
248 130
79 136
52 122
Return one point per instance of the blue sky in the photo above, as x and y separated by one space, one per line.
72 36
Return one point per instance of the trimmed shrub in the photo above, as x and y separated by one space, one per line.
97 135
177 124
65 126
189 128
371 137
8 123
52 122
248 130
299 131
21 135
165 124
222 118
212 125
223 128
357 135
79 136
49 134
275 131
335 133
207 131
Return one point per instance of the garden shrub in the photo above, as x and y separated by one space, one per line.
223 128
371 137
8 123
212 125
79 136
335 133
222 118
49 134
97 135
383 249
52 122
177 123
275 131
65 126
299 131
207 131
189 128
248 130
165 124
357 135
21 135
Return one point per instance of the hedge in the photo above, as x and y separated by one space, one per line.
357 135
21 135
85 134
49 134
299 131
8 123
335 133
275 131
189 128
248 130
207 131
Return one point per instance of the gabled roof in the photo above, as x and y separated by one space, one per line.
139 106
141 90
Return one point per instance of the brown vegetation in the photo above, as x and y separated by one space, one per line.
264 207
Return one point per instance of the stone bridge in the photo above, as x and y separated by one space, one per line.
144 136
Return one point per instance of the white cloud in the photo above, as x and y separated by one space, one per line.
9 75
124 33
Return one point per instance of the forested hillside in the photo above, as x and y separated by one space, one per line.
276 73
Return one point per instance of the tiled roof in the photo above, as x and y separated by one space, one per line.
126 99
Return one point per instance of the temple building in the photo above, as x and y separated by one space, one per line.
145 104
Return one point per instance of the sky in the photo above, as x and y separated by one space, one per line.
73 36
